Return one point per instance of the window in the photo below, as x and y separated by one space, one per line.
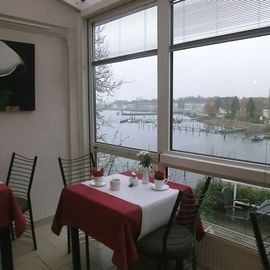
126 117
221 90
197 20
220 103
114 164
125 80
221 100
198 97
226 210
127 35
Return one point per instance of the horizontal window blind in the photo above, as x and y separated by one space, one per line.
199 19
129 34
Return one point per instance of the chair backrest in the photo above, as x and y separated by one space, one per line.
260 220
265 202
20 175
77 169
185 213
227 194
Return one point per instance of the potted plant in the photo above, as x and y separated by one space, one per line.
145 160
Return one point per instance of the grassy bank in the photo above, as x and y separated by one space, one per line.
251 128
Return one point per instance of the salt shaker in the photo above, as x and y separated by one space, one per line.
133 180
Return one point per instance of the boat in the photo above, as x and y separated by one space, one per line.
123 121
257 138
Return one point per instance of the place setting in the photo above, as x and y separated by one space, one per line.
99 180
160 182
98 177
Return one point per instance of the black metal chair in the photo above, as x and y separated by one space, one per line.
177 240
260 219
77 170
237 209
20 177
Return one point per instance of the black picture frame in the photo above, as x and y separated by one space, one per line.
17 88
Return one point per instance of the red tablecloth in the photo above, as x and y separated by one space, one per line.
10 210
110 220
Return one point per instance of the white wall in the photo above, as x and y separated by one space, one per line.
53 129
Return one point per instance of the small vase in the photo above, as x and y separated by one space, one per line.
145 176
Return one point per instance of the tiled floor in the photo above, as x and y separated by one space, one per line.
52 253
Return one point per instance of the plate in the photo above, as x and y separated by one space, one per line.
165 187
93 183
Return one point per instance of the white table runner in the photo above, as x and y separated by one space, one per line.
156 205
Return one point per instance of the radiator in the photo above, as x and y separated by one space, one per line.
215 253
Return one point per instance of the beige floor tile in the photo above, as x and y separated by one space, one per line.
55 240
52 253
43 229
103 258
55 258
32 263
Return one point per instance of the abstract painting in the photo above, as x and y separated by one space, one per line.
17 76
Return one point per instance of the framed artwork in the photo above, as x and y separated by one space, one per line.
17 76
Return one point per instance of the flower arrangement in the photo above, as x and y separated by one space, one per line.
97 173
144 158
159 175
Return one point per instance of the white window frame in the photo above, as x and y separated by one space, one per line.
247 172
110 149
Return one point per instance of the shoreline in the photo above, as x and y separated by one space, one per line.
250 128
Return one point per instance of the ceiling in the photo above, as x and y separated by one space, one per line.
88 4
79 4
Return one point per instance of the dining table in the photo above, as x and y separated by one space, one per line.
118 217
9 212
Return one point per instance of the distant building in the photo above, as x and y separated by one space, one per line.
266 113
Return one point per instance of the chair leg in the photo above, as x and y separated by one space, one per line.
68 240
6 249
179 264
32 226
87 252
12 231
194 261
162 264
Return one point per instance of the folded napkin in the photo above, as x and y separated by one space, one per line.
159 175
97 173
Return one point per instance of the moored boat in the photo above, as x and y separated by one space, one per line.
257 138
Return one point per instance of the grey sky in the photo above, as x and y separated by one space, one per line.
239 68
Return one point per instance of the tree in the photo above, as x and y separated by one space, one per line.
250 109
210 108
218 104
105 83
235 107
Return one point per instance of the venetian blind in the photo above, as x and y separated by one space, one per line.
199 19
134 33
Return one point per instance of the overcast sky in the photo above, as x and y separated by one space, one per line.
239 68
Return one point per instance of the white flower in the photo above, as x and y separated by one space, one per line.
145 158
142 153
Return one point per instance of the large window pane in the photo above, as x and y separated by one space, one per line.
126 116
130 34
113 164
221 100
226 210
